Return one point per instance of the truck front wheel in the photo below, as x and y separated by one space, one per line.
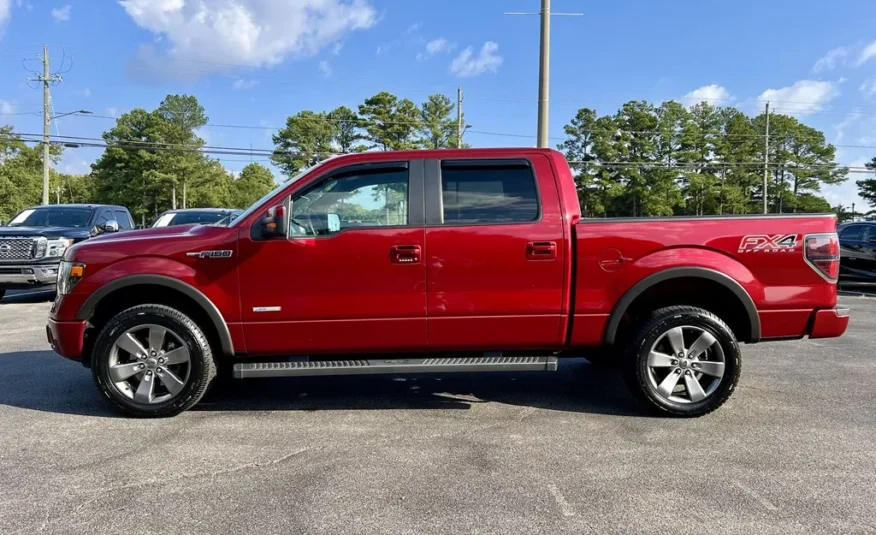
152 361
684 361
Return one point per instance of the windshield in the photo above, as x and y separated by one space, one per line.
52 217
187 218
256 205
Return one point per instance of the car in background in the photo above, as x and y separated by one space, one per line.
857 252
33 242
202 216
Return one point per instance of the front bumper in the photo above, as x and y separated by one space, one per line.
19 276
829 323
67 338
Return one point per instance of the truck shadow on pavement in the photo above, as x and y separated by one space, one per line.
40 380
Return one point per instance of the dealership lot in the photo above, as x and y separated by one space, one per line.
793 451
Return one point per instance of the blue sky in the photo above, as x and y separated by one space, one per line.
254 62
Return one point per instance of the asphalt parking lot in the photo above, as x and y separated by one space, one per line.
794 450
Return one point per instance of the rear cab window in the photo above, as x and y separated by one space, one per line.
488 192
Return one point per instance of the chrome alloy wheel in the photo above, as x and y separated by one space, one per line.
149 364
686 364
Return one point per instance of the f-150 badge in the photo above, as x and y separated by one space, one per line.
779 243
210 254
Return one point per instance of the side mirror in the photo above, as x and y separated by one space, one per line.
110 226
275 223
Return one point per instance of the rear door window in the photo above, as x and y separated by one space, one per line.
483 193
122 218
852 233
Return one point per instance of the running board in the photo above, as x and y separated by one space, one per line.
251 370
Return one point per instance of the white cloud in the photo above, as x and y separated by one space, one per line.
249 32
802 98
242 83
868 88
713 94
5 13
383 48
868 53
468 64
828 61
325 68
415 27
436 46
843 125
7 108
62 14
337 47
112 111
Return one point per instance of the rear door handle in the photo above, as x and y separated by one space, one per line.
541 250
405 254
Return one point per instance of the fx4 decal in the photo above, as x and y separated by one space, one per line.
763 243
211 254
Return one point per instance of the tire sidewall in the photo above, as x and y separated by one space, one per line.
181 326
732 361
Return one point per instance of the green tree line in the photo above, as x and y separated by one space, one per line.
383 122
642 160
153 161
647 160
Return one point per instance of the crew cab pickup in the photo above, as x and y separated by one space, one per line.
441 261
34 241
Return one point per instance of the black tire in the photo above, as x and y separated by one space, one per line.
2 293
636 369
202 368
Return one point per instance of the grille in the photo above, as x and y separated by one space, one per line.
16 248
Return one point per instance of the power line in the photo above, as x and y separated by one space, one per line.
243 151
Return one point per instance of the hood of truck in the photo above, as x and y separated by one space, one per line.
45 232
180 242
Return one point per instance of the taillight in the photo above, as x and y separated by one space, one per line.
822 252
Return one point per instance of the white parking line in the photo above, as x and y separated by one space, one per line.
763 501
561 500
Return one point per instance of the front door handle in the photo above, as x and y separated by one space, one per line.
405 254
541 250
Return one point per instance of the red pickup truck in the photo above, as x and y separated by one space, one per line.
441 261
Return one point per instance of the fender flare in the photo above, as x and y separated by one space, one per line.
677 273
188 290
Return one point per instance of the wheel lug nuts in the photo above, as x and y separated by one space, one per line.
161 361
674 362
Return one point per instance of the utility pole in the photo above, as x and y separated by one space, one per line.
459 117
544 67
766 156
46 118
544 73
47 79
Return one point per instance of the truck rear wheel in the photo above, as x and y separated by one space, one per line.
152 361
684 361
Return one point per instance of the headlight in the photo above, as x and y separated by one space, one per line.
69 275
56 248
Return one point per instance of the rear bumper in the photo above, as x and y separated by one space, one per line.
829 323
18 276
67 338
